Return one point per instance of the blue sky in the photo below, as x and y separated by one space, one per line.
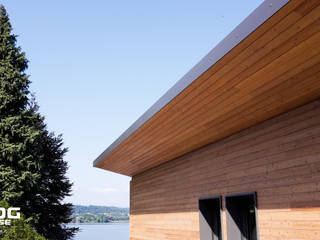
96 66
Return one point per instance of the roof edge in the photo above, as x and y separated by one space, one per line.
247 26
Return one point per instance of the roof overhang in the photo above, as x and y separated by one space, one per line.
267 65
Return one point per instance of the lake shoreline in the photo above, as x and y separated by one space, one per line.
73 224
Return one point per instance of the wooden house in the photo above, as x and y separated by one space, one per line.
232 151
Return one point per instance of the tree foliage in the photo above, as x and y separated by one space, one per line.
19 229
22 231
32 169
81 210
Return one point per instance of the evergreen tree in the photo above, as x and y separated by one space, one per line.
53 184
32 169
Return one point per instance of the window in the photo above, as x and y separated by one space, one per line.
241 216
210 218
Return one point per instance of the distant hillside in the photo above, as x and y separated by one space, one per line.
99 214
80 210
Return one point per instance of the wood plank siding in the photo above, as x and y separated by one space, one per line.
278 158
275 69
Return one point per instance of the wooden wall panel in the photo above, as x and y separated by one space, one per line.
279 159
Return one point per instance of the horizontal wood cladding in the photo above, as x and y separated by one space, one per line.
273 225
275 69
278 158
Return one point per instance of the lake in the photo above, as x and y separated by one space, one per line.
109 231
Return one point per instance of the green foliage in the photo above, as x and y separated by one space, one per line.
19 229
22 231
89 218
32 169
80 210
100 218
99 214
18 168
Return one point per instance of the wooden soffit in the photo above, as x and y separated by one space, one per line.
268 65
